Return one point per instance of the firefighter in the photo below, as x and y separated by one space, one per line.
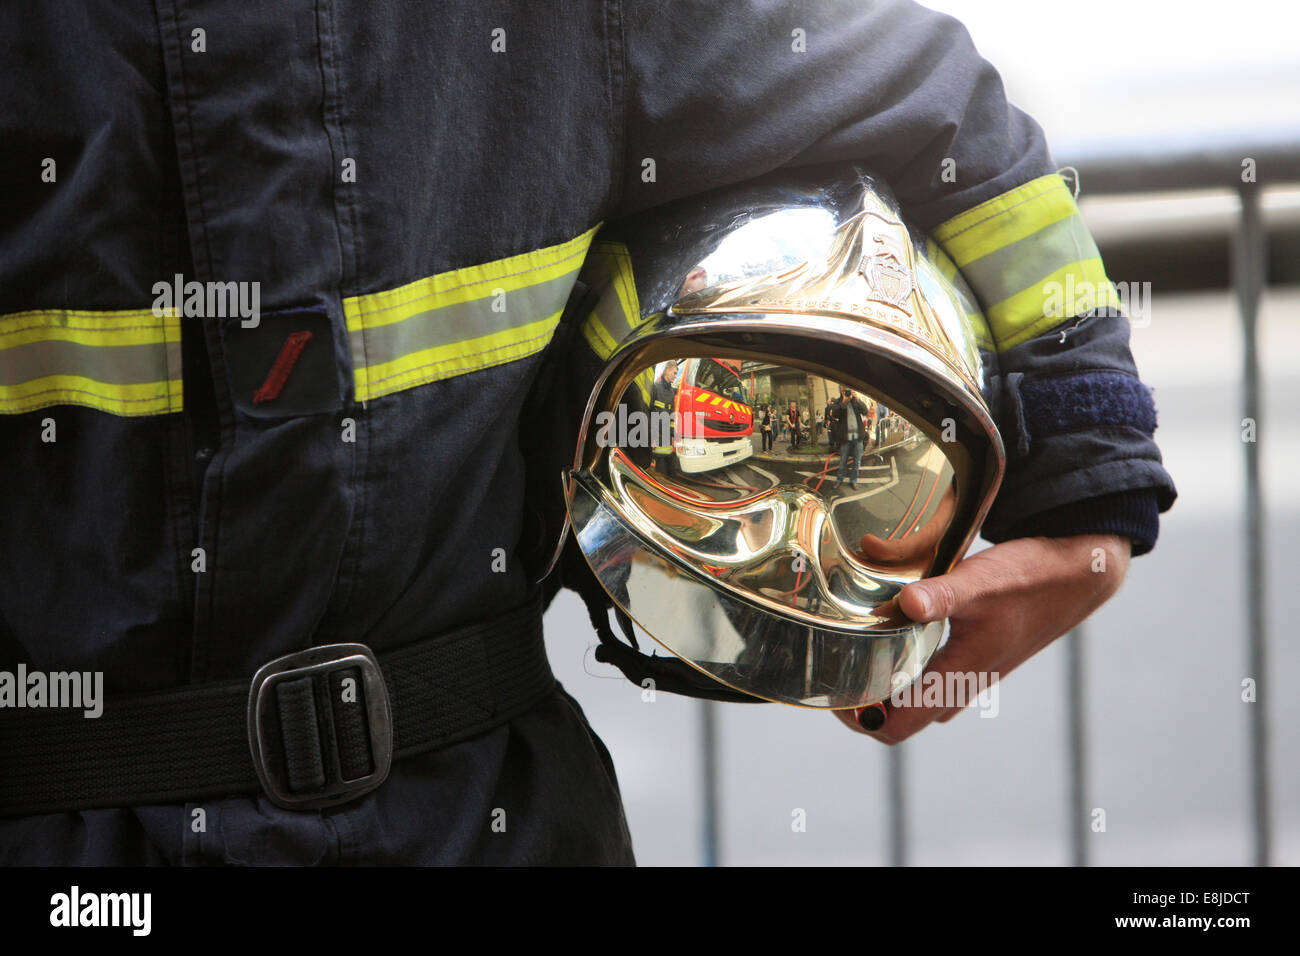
664 402
248 505
853 420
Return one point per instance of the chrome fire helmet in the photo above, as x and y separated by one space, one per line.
794 431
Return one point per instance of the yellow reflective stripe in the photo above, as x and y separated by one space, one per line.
467 284
983 337
948 269
460 321
608 272
1006 219
645 383
599 340
943 262
125 362
127 400
1029 258
447 361
88 328
625 286
1068 292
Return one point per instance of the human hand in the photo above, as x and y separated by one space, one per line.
1005 604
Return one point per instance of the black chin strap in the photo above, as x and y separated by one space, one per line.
667 673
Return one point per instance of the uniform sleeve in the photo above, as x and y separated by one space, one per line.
721 93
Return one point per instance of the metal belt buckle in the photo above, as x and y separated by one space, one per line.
268 754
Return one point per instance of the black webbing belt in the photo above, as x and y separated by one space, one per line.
321 725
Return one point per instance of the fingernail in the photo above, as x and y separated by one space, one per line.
927 605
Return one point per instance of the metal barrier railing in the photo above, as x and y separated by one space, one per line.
1245 171
1272 163
1250 267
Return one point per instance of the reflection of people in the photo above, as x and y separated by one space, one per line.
765 422
853 420
832 432
792 423
662 401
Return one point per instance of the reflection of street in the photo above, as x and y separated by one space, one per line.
899 486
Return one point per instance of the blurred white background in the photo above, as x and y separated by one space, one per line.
1166 729
1143 73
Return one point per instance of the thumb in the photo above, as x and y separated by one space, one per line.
947 595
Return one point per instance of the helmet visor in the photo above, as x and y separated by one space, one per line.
759 518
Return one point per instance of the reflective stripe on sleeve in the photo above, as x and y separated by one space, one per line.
608 272
948 269
618 311
1029 258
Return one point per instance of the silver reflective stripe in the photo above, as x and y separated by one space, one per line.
114 365
1023 264
449 324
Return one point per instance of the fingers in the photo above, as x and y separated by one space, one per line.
884 730
937 598
975 657
947 595
882 551
1006 604
916 545
899 722
1014 568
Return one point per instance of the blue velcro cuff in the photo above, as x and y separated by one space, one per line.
1060 404
1078 426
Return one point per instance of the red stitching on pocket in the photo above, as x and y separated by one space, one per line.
284 363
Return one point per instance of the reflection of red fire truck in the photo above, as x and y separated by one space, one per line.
715 425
